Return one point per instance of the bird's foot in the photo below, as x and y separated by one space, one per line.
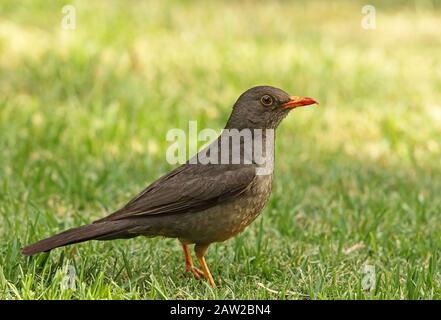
198 274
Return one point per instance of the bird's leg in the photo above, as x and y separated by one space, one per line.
189 267
200 252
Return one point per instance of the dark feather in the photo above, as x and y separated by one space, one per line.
98 231
189 188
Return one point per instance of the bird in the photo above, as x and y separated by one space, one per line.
200 203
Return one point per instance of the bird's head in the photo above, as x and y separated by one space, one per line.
264 107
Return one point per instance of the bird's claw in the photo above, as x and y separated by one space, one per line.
198 274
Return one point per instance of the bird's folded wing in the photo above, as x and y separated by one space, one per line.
189 188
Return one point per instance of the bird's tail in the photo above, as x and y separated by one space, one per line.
97 231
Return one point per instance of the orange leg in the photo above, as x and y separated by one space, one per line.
189 267
200 252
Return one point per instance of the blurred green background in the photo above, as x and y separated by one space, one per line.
84 114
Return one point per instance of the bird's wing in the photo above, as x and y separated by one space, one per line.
189 188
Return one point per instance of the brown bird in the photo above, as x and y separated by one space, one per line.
201 203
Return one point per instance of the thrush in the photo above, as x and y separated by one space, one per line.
210 198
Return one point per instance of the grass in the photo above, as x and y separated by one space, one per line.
84 115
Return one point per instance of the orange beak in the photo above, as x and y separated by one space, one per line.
295 102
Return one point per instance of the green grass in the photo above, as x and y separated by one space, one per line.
84 114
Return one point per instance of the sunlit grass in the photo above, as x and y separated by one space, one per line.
84 115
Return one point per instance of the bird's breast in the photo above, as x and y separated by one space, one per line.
249 207
226 220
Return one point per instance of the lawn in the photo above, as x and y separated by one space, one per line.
357 192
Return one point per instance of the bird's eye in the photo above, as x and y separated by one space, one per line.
266 100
